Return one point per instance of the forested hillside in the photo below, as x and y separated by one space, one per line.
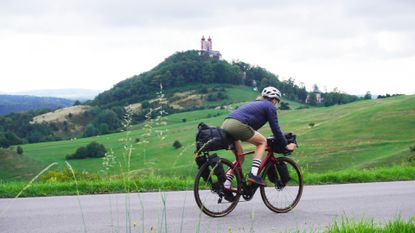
21 103
187 68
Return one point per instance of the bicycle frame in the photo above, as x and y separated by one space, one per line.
237 166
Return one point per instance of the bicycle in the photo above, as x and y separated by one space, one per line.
278 196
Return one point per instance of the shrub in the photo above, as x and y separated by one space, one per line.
284 106
412 148
95 150
311 124
184 120
177 144
92 150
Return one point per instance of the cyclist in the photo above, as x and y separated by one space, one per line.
243 123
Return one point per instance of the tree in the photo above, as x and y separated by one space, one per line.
90 130
315 88
109 118
312 99
11 138
368 96
19 150
104 128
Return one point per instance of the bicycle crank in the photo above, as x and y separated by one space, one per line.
249 191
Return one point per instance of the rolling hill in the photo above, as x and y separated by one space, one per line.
190 71
21 103
363 134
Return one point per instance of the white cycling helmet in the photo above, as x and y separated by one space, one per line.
271 92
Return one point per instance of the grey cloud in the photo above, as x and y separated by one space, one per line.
383 14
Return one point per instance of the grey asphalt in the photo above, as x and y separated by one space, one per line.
143 212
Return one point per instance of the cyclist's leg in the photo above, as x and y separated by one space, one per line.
239 151
260 142
230 174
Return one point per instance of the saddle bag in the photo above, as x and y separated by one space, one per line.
210 138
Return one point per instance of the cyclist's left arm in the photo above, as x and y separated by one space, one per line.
273 123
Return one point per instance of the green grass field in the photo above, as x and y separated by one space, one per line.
363 134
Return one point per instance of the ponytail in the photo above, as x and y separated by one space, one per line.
263 98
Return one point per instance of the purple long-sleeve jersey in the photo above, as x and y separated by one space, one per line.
256 114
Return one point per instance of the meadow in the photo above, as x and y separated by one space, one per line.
338 141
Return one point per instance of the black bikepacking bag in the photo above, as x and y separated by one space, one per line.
200 160
283 172
211 138
272 174
277 147
216 164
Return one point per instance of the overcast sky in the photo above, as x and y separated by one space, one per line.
356 46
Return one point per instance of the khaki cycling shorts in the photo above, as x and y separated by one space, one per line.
237 129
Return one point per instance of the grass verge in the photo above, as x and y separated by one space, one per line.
161 183
364 226
394 173
145 184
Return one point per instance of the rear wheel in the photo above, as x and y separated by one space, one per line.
279 195
208 194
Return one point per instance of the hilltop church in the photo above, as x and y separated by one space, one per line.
206 48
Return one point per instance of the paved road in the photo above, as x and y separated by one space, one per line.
319 206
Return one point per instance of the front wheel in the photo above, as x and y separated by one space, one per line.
208 193
282 194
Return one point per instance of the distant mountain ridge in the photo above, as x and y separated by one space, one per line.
66 93
21 103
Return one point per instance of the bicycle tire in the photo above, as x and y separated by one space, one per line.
283 199
207 199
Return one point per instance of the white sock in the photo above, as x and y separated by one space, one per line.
228 181
255 166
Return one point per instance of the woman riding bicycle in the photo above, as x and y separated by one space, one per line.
243 123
